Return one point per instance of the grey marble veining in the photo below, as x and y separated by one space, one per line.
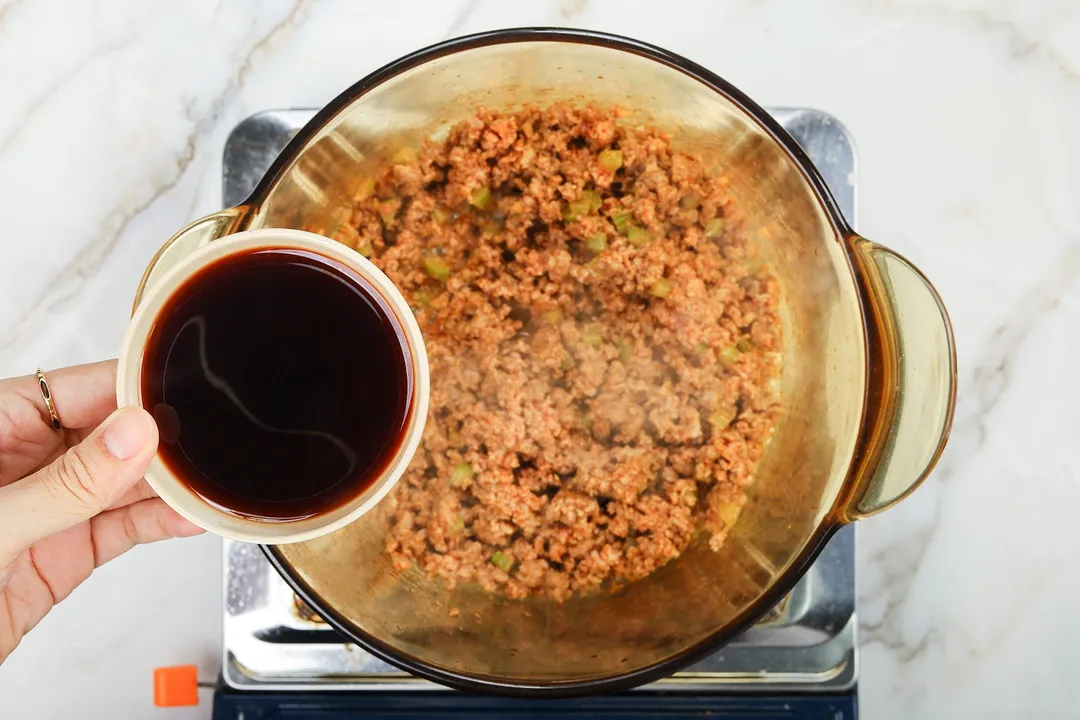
964 111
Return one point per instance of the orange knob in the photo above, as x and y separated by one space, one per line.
176 686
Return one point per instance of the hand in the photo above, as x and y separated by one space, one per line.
72 500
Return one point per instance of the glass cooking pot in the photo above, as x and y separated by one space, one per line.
868 377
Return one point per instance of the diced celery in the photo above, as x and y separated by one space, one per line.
621 221
638 236
422 298
480 198
502 561
552 317
610 160
594 200
457 525
729 514
721 417
388 209
729 355
597 243
588 203
436 268
461 475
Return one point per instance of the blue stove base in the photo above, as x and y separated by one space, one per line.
234 705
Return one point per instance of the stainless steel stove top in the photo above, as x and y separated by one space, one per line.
272 643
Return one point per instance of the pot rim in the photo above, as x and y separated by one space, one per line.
599 685
817 540
555 34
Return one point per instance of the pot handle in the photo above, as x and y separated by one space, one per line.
189 239
912 373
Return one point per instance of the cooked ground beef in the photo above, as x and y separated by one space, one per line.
604 344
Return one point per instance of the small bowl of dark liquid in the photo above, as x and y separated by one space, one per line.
288 379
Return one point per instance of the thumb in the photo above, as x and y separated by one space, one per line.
79 484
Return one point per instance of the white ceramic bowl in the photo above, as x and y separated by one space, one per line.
175 492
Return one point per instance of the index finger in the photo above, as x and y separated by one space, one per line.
83 395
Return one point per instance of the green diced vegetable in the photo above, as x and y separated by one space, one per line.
610 160
597 243
366 250
594 199
729 514
743 345
502 561
388 209
661 288
587 204
621 221
552 317
461 475
423 297
714 227
721 417
638 236
626 350
691 201
701 347
480 198
440 215
457 525
436 268
729 355
591 335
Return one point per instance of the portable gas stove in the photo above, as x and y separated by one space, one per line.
280 661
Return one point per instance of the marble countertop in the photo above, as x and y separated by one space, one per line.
112 123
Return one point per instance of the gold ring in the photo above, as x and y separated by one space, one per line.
46 394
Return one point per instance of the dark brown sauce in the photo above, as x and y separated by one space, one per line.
280 383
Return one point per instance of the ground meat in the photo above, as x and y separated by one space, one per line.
604 345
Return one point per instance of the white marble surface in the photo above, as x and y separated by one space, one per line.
112 120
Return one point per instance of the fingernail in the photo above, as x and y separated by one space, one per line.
127 432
